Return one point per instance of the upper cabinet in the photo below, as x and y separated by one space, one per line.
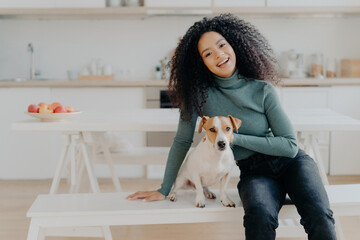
27 4
177 3
52 4
313 3
239 3
144 8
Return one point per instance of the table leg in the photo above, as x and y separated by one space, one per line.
89 165
80 169
319 160
312 148
109 161
61 164
73 181
34 231
107 232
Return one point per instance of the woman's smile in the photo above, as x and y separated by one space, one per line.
223 63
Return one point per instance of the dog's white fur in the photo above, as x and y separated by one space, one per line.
209 163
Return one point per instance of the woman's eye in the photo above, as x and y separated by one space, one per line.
212 130
208 54
228 129
222 45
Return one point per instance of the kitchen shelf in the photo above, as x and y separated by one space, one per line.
162 83
297 82
142 12
120 12
291 11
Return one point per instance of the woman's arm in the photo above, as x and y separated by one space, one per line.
284 142
179 148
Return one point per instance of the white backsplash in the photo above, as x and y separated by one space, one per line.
134 46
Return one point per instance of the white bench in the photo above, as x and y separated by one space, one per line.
94 212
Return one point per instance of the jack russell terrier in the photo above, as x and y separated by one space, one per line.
210 162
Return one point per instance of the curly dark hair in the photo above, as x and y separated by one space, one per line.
190 79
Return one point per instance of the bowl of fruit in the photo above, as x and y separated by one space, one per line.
54 112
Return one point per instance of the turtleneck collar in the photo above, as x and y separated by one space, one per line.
228 82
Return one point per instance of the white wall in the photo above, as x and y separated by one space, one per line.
138 44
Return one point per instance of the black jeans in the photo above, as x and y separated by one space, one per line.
265 181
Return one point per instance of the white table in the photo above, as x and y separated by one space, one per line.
307 122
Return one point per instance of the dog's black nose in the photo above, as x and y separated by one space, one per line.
221 144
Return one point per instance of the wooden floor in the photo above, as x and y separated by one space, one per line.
17 196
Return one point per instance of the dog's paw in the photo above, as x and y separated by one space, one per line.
172 197
200 204
228 203
210 195
200 201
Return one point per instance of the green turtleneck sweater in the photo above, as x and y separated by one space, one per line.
265 127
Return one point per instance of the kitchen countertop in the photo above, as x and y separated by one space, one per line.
162 83
83 83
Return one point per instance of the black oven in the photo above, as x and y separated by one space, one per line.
164 99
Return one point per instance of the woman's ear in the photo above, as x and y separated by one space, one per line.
236 123
202 122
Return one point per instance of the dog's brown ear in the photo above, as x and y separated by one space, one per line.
202 122
236 123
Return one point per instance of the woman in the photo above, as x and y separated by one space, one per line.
225 66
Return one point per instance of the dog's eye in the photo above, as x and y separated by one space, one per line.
212 130
228 129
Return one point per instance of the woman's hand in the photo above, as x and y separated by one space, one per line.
147 196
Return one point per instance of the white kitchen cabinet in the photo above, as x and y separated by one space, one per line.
98 100
23 154
239 3
345 146
310 97
305 97
312 3
27 3
80 3
178 3
33 155
52 4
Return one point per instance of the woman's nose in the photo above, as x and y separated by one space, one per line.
218 54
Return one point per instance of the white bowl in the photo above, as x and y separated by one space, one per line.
53 117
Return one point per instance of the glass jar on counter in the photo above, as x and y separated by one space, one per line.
317 65
331 67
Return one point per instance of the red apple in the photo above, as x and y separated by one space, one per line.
42 104
45 109
60 109
55 105
70 109
33 108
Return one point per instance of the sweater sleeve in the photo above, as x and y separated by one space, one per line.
283 142
179 148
